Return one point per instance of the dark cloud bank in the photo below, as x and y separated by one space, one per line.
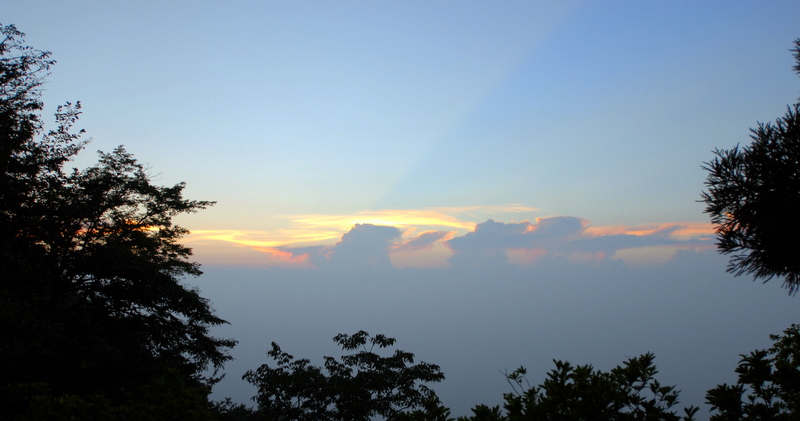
475 320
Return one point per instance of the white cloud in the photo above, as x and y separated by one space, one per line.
366 246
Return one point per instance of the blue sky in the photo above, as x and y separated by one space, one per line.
510 136
275 108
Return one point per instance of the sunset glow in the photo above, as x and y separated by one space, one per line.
452 217
676 229
419 246
494 183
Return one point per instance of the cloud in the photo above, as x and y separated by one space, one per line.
682 230
308 257
415 238
316 229
524 243
424 241
365 246
503 235
263 239
491 241
277 257
487 244
611 243
558 226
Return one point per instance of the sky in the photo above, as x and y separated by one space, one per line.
493 183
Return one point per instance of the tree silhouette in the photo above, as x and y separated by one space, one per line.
357 387
769 383
581 393
753 197
91 295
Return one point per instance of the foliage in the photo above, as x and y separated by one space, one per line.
362 385
768 386
627 392
166 397
91 294
431 410
227 410
753 197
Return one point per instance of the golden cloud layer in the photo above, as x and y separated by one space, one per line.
424 234
680 230
320 228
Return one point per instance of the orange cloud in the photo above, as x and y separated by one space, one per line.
424 241
265 239
678 230
282 258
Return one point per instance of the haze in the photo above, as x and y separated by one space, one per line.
494 184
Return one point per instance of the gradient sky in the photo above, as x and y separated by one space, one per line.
450 141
